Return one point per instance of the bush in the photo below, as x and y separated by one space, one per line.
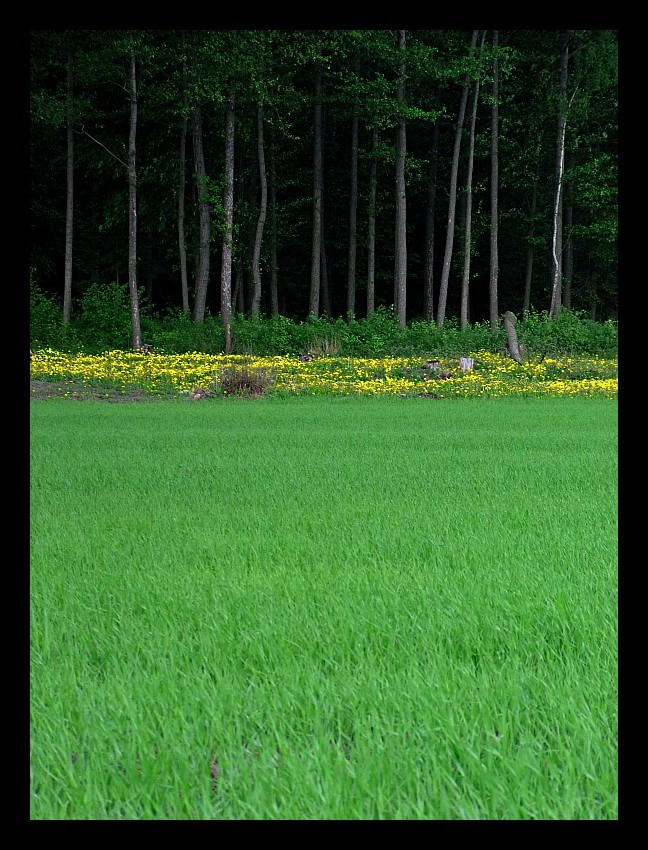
241 380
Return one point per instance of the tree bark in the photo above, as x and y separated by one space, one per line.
228 208
316 258
202 270
263 206
400 250
274 287
428 252
510 321
529 252
182 247
69 207
465 284
132 210
556 242
494 236
353 210
452 203
371 231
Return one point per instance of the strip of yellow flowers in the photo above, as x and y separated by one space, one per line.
494 375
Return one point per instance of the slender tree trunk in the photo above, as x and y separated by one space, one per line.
371 233
556 242
428 252
316 258
274 288
569 249
400 249
228 208
447 258
263 207
182 247
494 237
69 207
132 211
202 270
465 284
529 253
353 210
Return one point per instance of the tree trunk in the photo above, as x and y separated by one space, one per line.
316 258
556 242
202 270
400 249
353 209
529 253
494 238
510 321
447 258
371 232
263 206
274 288
228 208
428 252
69 207
182 248
132 211
465 284
569 249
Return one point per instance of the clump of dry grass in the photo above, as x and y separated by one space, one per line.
240 379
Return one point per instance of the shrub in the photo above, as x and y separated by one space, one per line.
241 380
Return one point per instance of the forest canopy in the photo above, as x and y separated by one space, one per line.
446 173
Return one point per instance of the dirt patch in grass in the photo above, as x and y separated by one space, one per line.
79 391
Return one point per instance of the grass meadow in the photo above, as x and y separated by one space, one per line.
324 608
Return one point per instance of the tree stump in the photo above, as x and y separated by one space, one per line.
510 320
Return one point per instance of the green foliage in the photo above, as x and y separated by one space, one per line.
103 323
177 333
569 333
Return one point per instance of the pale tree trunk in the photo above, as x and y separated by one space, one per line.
428 252
465 283
353 210
316 253
69 208
510 320
132 211
569 250
202 270
371 233
263 207
274 288
400 249
452 203
556 241
228 208
494 236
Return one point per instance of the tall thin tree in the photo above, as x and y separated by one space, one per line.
556 239
263 207
182 247
371 228
316 252
400 248
203 260
132 207
430 213
494 236
69 203
228 208
353 214
465 283
452 201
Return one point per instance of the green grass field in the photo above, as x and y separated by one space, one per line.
324 608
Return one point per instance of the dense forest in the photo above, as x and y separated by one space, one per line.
449 174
